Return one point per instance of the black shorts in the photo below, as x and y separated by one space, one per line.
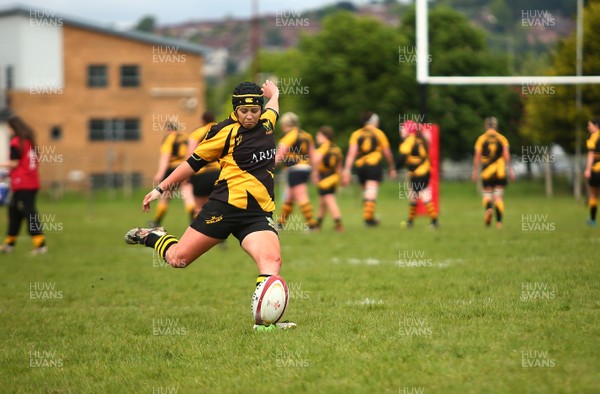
204 183
594 180
369 173
298 177
494 181
324 192
419 183
218 219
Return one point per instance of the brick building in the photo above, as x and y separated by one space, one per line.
98 98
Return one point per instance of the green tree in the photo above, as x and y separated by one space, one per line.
357 64
350 67
551 115
458 48
146 24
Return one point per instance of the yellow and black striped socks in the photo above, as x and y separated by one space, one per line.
10 240
261 278
593 203
412 210
499 210
338 224
368 210
487 203
431 211
38 240
161 211
307 211
161 243
286 210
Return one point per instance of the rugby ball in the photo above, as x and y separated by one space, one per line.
269 300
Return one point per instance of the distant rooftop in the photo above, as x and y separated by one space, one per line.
22 10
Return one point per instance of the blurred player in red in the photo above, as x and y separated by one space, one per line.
414 154
592 168
492 153
25 183
327 169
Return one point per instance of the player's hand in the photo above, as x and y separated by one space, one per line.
269 89
315 178
346 178
511 174
153 195
587 173
474 176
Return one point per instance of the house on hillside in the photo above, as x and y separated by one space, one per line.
98 98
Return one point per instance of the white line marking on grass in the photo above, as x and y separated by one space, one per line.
367 301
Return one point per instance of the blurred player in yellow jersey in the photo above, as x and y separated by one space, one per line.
327 169
414 154
173 152
592 168
204 180
295 151
492 153
368 146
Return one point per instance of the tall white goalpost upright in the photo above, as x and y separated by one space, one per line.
423 77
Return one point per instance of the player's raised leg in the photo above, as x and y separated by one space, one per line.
177 253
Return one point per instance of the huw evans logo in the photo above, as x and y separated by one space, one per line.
537 19
44 291
536 359
290 19
531 291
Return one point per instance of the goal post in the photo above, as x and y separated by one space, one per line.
423 77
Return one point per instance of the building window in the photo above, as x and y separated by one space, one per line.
97 76
56 133
114 129
130 76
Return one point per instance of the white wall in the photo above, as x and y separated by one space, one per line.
33 46
4 141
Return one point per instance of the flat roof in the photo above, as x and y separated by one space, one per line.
134 35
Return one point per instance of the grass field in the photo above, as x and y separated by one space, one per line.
464 309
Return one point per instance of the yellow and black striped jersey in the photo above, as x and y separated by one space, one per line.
371 142
296 145
175 144
198 135
414 148
593 145
331 157
247 160
491 145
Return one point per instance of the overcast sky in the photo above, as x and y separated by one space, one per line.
165 11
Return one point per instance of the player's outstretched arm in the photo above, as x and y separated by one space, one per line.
181 173
476 161
587 173
352 151
387 152
271 91
511 172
